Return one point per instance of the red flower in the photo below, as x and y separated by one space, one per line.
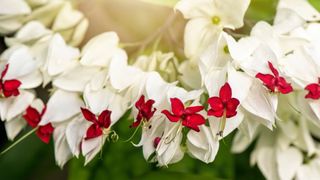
275 82
102 122
189 116
33 117
224 105
314 90
145 110
9 87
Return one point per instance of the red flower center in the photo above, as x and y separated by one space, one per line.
99 123
9 87
189 116
224 105
275 82
145 109
33 118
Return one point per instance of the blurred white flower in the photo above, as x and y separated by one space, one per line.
208 18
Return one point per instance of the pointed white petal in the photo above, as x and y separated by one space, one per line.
61 106
91 147
14 127
100 49
61 148
75 132
76 78
19 104
261 103
203 145
14 7
194 9
199 33
288 161
60 56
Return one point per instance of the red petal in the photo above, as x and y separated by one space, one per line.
314 91
177 106
88 115
93 131
104 119
156 141
10 88
215 103
232 104
193 109
10 85
193 121
170 116
32 116
140 102
232 107
137 122
273 70
283 86
225 92
218 113
150 103
44 132
10 93
267 80
43 110
5 70
230 114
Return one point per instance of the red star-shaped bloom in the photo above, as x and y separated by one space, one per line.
100 122
189 116
9 87
145 110
275 82
224 104
314 90
33 117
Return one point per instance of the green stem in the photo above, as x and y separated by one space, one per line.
18 141
134 133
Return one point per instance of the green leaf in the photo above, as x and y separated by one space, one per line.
170 3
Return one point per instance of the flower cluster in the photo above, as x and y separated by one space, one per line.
266 85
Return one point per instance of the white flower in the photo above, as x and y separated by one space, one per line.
61 106
294 13
11 110
28 34
21 66
100 50
207 20
71 24
11 15
203 145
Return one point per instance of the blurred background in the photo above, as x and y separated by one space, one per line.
134 21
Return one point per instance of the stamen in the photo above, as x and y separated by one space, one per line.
167 140
222 124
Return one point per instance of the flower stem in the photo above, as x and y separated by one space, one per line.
18 141
134 133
